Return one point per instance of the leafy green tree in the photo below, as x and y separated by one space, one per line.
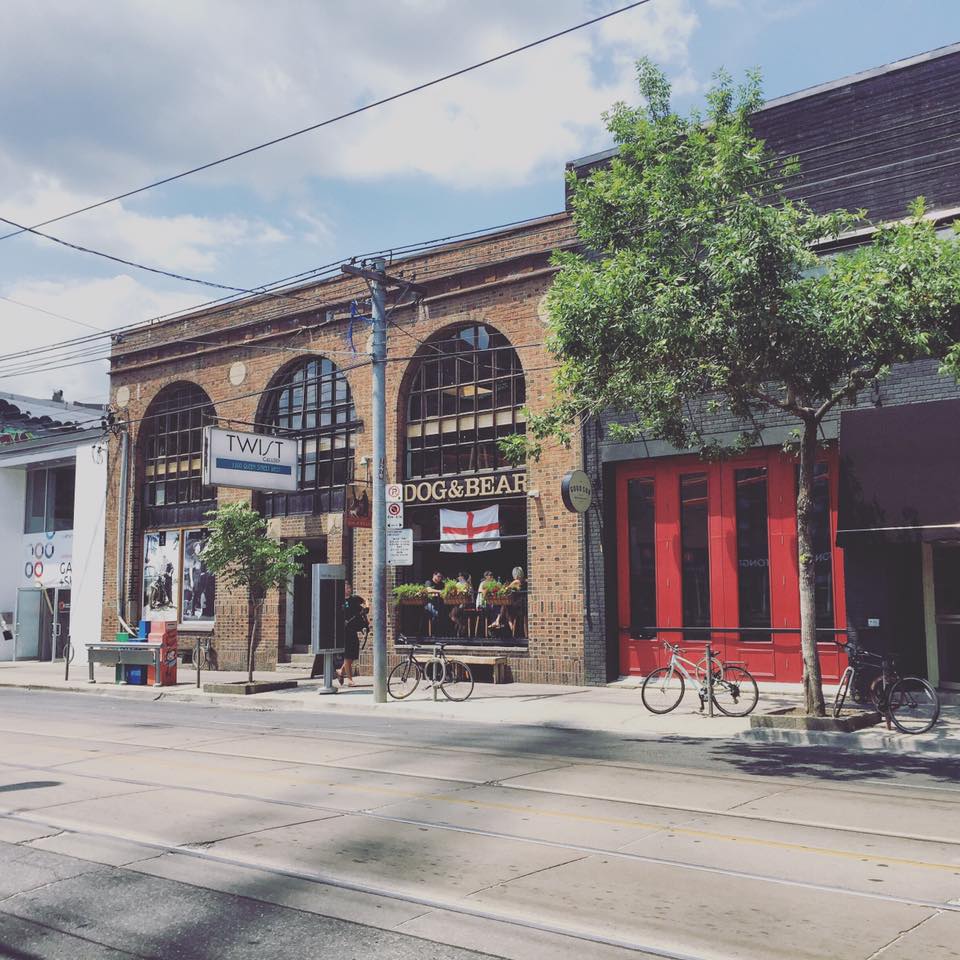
700 291
241 556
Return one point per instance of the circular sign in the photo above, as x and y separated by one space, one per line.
394 491
394 509
238 373
577 491
123 396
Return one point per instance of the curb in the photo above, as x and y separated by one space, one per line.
889 742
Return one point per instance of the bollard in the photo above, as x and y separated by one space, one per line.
709 680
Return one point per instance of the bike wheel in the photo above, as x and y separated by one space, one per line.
842 691
662 690
913 705
404 678
457 683
702 669
736 694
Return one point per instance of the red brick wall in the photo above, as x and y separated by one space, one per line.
499 280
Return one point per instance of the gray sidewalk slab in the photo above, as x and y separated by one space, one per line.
616 708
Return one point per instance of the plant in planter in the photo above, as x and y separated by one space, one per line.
499 594
410 594
455 593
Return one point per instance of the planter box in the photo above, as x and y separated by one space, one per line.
457 601
793 719
243 687
409 601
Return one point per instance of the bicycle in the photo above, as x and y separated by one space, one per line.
453 677
734 690
909 703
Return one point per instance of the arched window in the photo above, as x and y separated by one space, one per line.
312 402
467 393
173 447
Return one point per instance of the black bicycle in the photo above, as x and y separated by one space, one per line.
909 703
453 677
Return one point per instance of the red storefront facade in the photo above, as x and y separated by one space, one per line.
709 548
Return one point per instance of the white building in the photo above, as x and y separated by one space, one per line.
53 475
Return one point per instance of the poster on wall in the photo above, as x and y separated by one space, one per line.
161 575
47 559
198 582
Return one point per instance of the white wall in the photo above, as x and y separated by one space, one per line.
88 536
13 489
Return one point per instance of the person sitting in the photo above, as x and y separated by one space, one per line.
517 585
434 604
458 613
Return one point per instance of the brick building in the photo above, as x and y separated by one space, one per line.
671 542
465 361
690 544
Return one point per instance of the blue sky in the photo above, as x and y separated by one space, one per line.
101 98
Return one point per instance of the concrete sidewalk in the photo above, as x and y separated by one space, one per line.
614 709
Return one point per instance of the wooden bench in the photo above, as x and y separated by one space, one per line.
497 664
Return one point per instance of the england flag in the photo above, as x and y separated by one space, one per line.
470 532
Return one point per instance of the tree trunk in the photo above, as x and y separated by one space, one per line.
812 681
252 637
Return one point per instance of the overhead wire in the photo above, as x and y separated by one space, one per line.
417 88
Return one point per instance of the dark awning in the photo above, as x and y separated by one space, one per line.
900 473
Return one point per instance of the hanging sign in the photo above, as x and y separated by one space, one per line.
576 491
400 548
357 513
251 461
394 515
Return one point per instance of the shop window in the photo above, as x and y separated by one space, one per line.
695 555
466 395
176 583
643 573
49 501
173 448
753 552
312 403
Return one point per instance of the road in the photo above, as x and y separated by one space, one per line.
172 830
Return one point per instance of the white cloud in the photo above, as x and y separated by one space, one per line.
135 90
102 304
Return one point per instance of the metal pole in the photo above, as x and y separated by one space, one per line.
122 528
378 606
710 680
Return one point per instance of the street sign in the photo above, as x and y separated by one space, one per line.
394 493
400 548
394 515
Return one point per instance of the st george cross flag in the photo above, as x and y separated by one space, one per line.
470 532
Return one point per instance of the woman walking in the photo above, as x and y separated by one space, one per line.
354 622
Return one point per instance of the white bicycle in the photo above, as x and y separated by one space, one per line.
734 689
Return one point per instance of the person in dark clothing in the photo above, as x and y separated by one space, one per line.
354 623
434 605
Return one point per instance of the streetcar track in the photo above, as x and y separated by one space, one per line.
790 783
371 814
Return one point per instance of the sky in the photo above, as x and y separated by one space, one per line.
101 98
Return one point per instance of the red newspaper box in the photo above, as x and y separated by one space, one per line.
164 633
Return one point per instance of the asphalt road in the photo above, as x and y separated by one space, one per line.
132 829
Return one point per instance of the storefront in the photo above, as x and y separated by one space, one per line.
708 549
900 532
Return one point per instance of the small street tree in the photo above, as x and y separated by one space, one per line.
241 556
701 291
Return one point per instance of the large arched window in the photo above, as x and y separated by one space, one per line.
173 447
312 402
467 393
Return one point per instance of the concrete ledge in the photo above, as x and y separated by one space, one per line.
246 687
792 718
892 742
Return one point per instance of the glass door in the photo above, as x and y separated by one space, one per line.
27 639
946 591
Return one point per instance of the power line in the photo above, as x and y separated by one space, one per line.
50 313
324 123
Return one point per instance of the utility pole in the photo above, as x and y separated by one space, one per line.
377 281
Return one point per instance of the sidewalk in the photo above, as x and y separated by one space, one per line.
613 709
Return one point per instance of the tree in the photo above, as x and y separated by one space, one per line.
701 291
241 556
